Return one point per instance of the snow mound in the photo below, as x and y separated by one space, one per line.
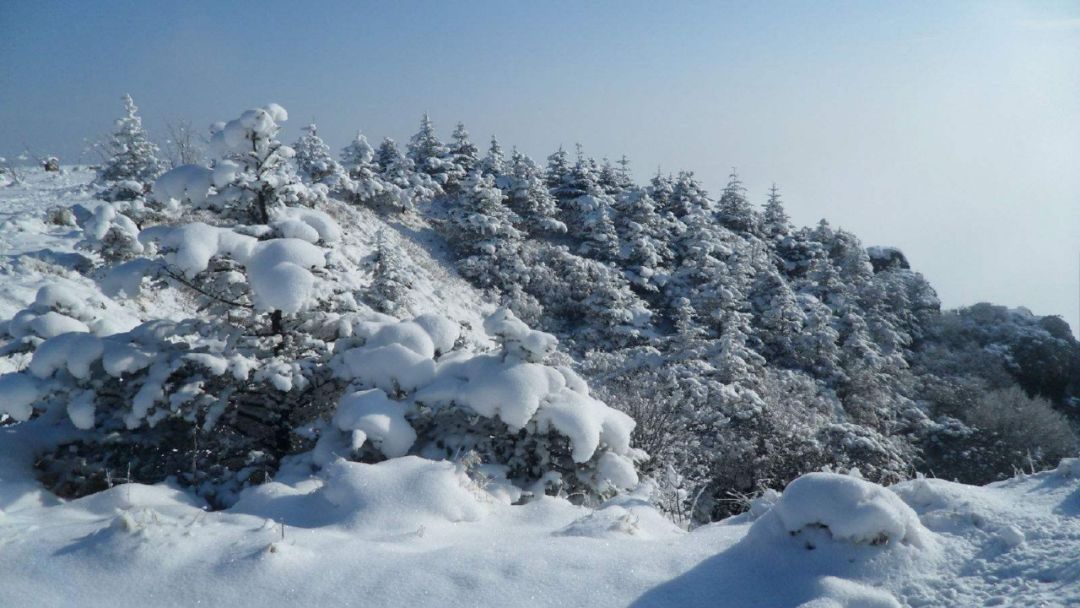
852 510
625 516
400 496
1069 467
842 593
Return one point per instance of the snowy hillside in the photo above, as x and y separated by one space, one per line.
408 532
429 378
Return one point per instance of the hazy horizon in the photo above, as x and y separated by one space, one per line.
950 131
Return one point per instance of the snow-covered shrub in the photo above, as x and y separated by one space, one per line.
280 357
537 424
111 233
57 310
1021 432
229 385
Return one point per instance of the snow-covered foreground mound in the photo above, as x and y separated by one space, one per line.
413 532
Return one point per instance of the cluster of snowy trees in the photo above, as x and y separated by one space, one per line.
749 350
281 355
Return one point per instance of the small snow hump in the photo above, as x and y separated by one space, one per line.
850 509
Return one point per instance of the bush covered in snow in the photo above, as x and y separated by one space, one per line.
847 508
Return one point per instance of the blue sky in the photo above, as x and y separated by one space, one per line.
949 129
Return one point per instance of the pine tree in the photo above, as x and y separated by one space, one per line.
409 186
253 173
481 228
644 251
687 196
390 283
734 210
494 164
558 170
527 195
775 222
429 155
314 161
613 180
464 155
132 157
364 184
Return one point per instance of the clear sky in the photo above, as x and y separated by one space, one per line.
949 129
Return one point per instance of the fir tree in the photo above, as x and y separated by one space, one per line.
390 283
364 184
481 228
132 157
775 222
464 155
733 209
430 155
527 195
494 163
314 161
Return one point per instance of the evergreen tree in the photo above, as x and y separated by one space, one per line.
527 195
314 161
132 157
430 155
558 170
775 222
687 197
364 184
493 163
464 155
644 252
390 283
733 209
481 228
409 186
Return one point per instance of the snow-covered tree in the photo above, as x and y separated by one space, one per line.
364 184
733 209
132 162
390 282
775 222
494 161
429 154
642 233
399 171
481 228
314 161
464 155
526 194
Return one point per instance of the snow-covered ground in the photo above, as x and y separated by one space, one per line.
411 532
